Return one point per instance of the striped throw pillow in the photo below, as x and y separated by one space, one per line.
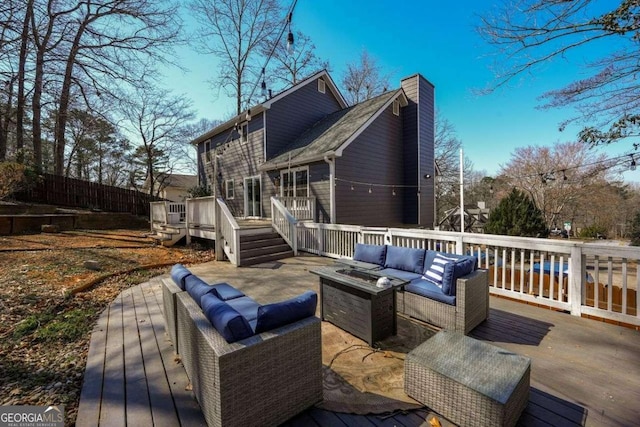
436 271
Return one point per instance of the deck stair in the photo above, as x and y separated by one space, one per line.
263 247
168 234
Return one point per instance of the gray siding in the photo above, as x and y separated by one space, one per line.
418 140
319 188
237 162
292 115
410 150
376 156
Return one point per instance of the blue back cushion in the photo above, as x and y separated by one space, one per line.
227 321
455 270
196 287
178 273
225 291
436 272
272 316
407 259
374 254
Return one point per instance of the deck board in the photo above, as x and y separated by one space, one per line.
162 406
112 409
138 406
583 372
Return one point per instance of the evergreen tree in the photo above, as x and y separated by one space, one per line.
517 215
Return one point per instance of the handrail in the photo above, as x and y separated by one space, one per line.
227 233
284 223
301 208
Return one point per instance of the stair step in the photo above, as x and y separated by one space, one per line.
261 236
262 243
266 258
264 250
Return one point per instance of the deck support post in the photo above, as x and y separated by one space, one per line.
577 276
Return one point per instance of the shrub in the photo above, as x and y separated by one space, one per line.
199 191
13 178
593 232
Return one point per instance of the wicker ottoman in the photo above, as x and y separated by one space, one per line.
467 381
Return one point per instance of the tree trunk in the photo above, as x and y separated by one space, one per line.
21 79
63 106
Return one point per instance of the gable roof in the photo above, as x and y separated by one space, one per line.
331 135
256 109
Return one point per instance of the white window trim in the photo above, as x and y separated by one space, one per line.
207 152
396 107
244 133
322 86
229 184
293 171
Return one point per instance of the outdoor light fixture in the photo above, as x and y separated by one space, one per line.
263 85
393 191
248 114
427 176
370 190
633 163
290 35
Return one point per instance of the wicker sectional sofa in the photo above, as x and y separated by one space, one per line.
261 379
445 290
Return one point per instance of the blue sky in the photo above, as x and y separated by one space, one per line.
438 40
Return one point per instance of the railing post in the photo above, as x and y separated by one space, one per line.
186 220
460 244
578 275
293 227
218 247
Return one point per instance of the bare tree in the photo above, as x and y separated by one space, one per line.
529 33
187 153
234 31
557 177
364 79
112 40
288 68
156 118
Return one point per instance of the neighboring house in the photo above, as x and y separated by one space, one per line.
368 164
475 218
173 187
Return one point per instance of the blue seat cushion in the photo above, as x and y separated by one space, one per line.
400 274
225 291
429 290
272 316
178 273
373 254
407 259
245 306
196 287
225 319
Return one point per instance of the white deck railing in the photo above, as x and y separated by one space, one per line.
201 212
227 234
176 212
158 213
302 208
605 285
284 223
167 212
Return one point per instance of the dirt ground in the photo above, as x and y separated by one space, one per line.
46 315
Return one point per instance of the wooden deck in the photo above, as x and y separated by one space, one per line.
584 373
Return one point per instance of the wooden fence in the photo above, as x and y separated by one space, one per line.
76 193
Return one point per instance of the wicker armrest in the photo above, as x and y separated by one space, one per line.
472 300
169 291
262 380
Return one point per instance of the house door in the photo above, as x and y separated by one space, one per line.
252 197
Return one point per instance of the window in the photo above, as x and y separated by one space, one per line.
244 132
396 107
295 182
229 189
321 86
207 151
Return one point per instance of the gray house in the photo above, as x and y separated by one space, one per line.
367 164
